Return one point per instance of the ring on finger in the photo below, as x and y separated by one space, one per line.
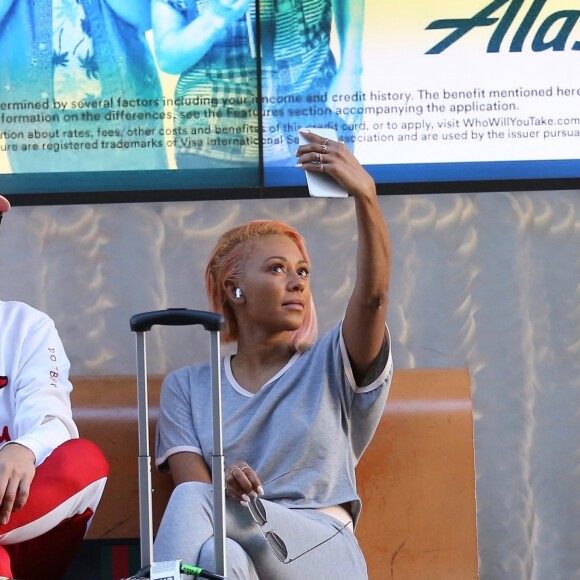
322 167
324 148
245 467
319 157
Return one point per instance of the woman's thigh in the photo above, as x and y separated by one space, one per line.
337 557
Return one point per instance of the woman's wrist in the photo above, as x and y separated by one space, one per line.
366 189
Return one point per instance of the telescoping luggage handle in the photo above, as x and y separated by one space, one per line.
177 317
212 322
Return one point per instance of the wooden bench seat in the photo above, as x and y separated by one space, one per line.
416 479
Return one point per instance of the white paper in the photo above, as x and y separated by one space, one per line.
319 183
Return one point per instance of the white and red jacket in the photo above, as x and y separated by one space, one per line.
35 408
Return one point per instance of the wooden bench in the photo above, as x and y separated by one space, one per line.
416 479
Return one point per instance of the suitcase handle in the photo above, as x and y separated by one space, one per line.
140 324
176 317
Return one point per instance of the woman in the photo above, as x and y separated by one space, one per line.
211 44
298 412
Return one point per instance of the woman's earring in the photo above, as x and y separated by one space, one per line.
238 293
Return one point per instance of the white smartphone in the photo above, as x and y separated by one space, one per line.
321 184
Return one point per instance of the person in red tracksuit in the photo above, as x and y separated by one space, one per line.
50 480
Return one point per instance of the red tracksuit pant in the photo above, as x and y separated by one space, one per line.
41 539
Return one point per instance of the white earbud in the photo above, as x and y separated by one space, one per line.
238 293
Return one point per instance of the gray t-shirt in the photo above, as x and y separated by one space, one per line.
305 429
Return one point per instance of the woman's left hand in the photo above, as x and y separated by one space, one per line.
242 481
335 159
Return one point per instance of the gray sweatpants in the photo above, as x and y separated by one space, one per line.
186 533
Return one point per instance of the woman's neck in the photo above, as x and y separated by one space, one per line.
254 365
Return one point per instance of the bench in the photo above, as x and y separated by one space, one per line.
416 479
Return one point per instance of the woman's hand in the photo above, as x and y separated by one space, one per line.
336 160
241 482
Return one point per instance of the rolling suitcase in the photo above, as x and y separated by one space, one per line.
213 323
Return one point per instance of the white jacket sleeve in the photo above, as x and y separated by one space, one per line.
40 387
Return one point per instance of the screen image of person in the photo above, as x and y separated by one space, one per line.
50 480
79 89
211 45
298 411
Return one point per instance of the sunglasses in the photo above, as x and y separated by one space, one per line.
277 545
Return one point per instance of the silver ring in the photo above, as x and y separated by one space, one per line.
322 167
245 467
324 148
325 142
319 157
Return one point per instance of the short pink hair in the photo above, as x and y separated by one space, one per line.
227 262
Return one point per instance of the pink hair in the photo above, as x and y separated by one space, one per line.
227 262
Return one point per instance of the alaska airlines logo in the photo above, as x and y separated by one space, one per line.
3 382
553 32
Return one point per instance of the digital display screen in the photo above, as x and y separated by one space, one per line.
107 99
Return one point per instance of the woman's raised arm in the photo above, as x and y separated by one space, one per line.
366 313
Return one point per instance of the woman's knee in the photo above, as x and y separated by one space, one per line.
189 500
193 491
